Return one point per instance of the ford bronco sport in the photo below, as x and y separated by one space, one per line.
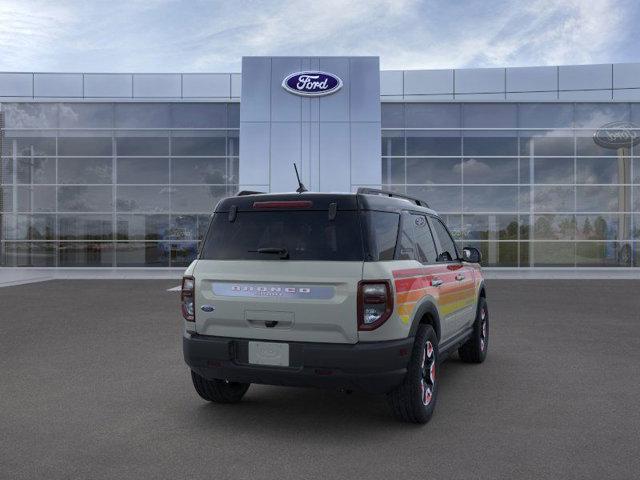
351 291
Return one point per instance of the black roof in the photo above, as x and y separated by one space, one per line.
367 199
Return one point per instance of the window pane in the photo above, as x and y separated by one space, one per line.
392 143
490 227
6 199
585 145
603 170
142 227
447 250
233 143
434 170
30 115
490 170
142 254
199 115
441 199
233 111
554 199
91 146
554 227
553 254
497 254
85 170
86 115
203 225
392 115
490 144
604 227
85 199
41 254
433 143
85 227
36 170
142 115
29 146
425 246
487 115
142 146
545 115
406 239
432 115
34 227
209 144
6 170
600 199
636 170
37 199
393 170
183 227
382 234
199 170
546 144
490 199
196 199
143 170
78 254
603 254
143 199
598 114
553 170
183 253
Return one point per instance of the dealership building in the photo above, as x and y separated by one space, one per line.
538 167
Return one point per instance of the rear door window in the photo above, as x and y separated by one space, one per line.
406 240
382 234
446 246
425 246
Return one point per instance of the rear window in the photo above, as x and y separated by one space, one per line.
302 234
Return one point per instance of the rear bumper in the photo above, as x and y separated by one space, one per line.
374 367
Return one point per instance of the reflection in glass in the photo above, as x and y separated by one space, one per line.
441 199
553 199
490 170
433 143
22 254
490 145
603 254
545 115
497 254
143 199
490 199
142 115
546 144
85 227
79 254
603 226
36 170
89 146
490 227
146 146
199 170
196 199
554 227
37 198
434 170
392 143
433 115
142 254
34 227
553 170
86 115
85 199
199 115
393 170
30 146
142 227
392 115
490 115
85 170
553 254
601 198
183 253
212 143
598 114
603 170
30 115
142 170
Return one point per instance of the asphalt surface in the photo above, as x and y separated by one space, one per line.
92 385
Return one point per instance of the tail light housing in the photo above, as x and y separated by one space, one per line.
375 303
187 299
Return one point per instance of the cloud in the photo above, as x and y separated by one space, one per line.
166 35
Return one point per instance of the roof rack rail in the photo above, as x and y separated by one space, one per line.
242 193
375 191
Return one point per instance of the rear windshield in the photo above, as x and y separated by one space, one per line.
280 235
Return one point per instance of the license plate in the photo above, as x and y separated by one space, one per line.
269 353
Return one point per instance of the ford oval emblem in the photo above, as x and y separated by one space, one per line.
617 135
312 83
207 308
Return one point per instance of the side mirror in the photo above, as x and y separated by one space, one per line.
471 255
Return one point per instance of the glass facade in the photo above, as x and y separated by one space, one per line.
113 184
526 183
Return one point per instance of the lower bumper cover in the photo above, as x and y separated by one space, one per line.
374 367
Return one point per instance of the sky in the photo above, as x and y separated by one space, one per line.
212 36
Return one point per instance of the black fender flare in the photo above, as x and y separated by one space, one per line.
426 306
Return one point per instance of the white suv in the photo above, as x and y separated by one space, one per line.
351 291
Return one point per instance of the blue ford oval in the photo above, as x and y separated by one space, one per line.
312 83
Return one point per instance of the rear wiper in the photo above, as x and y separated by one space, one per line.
284 254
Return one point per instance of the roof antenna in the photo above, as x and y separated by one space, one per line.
301 188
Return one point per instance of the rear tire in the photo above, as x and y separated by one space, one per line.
475 349
414 401
219 391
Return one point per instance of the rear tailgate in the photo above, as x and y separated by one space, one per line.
287 300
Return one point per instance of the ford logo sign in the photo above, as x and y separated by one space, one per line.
312 83
617 135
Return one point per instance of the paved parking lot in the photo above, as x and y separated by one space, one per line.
92 385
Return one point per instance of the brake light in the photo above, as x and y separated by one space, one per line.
187 299
284 204
375 303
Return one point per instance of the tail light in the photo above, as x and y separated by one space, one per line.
375 303
187 299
